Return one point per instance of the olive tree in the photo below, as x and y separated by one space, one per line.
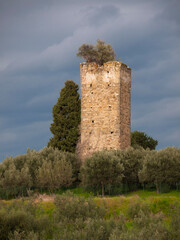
99 53
102 169
54 175
161 167
132 160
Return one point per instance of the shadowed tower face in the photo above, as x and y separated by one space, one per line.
105 107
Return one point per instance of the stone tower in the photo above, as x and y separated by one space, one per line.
105 107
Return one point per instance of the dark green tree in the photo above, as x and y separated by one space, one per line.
66 119
143 140
100 53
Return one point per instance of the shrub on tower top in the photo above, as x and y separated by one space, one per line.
99 53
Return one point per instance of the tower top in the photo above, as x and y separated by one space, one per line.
110 63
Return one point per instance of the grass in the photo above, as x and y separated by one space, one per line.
145 194
128 205
79 191
117 205
163 202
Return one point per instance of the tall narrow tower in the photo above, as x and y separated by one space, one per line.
105 107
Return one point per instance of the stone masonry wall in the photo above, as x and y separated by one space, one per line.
105 107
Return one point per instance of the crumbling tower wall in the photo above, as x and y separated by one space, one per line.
105 107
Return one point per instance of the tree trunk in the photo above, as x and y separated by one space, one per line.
157 187
102 185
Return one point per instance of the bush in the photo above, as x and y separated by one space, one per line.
80 218
175 222
70 207
95 229
145 225
135 208
18 235
19 218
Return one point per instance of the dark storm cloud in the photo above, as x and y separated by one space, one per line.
38 44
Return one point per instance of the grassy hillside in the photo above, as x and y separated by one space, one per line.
138 215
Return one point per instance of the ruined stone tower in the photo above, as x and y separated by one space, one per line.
105 107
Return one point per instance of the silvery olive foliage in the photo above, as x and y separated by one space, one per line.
99 53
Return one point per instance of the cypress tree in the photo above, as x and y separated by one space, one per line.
66 118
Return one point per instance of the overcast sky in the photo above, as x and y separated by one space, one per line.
38 44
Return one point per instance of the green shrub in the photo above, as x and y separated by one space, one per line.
95 229
70 207
145 225
19 218
135 208
175 222
22 235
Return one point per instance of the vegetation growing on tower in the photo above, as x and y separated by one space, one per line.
99 53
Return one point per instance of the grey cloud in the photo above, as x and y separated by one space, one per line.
99 15
23 137
38 49
171 11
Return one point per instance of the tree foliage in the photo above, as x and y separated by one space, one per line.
161 167
66 119
132 160
54 175
48 169
143 140
99 53
101 170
